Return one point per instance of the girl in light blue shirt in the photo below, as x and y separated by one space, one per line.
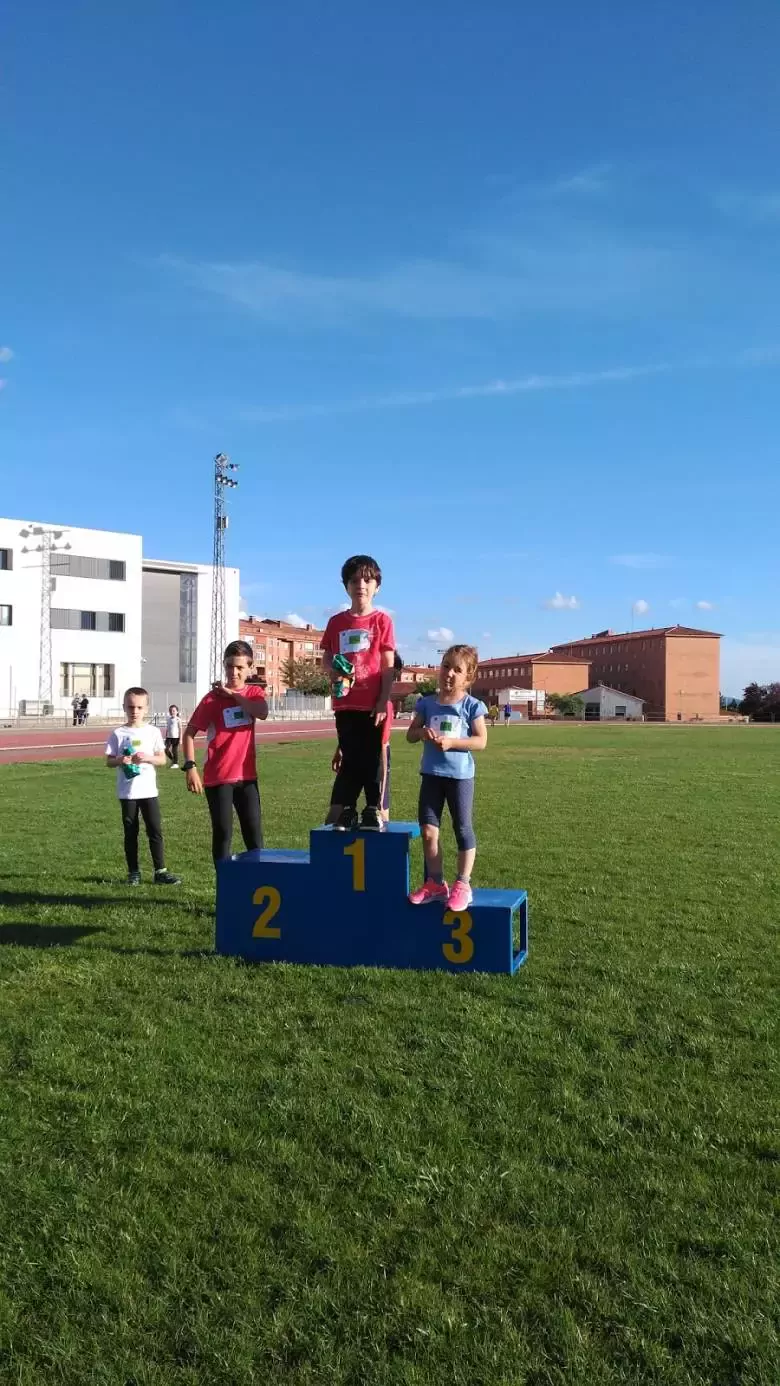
451 725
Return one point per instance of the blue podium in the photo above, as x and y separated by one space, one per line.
344 903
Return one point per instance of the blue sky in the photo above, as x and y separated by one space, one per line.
490 291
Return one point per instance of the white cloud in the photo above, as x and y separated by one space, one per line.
293 619
486 635
561 603
641 606
641 560
6 354
705 606
243 615
442 635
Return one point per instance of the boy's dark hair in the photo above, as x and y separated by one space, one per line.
361 565
398 663
239 649
136 693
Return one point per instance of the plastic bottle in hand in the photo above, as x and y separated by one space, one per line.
130 770
346 671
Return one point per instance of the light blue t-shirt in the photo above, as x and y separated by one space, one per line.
449 719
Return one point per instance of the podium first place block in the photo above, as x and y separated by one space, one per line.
344 903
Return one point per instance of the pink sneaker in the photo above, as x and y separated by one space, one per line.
429 893
461 897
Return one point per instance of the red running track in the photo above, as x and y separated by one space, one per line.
18 747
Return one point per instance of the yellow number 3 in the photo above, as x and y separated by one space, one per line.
270 897
461 935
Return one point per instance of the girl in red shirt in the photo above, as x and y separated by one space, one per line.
227 715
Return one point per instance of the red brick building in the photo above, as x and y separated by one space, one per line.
274 643
675 669
548 673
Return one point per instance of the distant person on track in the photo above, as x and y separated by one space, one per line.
493 714
75 704
507 714
227 715
134 750
83 712
172 736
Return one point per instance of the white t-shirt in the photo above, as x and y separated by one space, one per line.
131 739
173 728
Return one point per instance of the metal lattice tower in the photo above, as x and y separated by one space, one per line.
46 546
222 481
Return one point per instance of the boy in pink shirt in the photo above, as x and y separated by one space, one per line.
366 638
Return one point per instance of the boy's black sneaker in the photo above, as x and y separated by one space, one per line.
347 820
134 878
166 878
371 820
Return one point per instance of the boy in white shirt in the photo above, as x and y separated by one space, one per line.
133 751
172 736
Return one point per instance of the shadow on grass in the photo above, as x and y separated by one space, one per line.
94 902
45 935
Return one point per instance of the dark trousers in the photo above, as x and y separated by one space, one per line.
360 742
172 749
149 810
244 796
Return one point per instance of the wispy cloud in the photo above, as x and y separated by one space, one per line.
596 178
705 606
640 607
293 619
559 602
6 354
641 560
440 635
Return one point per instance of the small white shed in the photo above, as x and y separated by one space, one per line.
604 704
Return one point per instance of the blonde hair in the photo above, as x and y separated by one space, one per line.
468 654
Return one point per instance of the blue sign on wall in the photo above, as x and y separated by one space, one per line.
344 903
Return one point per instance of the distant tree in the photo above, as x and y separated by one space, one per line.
565 704
761 701
305 676
427 686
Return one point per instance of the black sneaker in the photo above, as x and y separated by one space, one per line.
166 878
371 820
134 878
347 820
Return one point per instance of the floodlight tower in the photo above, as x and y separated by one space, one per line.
222 482
46 546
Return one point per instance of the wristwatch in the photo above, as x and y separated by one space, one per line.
189 765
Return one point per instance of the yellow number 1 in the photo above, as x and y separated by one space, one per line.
270 897
357 851
461 935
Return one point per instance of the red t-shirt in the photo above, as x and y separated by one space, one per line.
362 640
230 737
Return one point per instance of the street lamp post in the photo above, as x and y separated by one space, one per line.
46 546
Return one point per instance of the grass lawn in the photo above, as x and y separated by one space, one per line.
217 1173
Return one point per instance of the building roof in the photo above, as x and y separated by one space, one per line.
621 692
546 657
667 631
282 628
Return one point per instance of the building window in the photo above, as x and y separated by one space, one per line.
77 565
6 615
308 645
63 618
90 680
6 559
188 627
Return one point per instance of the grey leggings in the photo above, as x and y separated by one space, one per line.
458 795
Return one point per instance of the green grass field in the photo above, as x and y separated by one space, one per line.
214 1173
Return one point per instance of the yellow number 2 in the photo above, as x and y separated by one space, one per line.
357 851
270 897
461 935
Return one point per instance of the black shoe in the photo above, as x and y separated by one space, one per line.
371 820
347 820
166 878
134 878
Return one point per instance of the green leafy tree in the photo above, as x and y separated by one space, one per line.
565 704
427 686
761 701
305 676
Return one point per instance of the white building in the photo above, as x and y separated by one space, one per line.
95 615
604 704
176 625
116 620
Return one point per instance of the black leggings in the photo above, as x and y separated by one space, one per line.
172 749
360 742
150 812
222 798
